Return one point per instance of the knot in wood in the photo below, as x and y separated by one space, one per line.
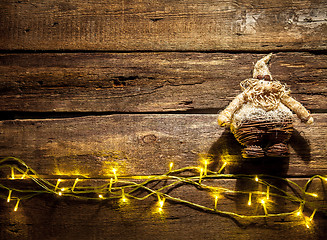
150 138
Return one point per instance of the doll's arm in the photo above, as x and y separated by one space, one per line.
298 108
225 116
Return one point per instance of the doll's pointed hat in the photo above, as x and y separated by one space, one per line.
261 68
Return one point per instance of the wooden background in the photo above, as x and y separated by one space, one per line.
88 84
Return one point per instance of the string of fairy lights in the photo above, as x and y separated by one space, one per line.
125 188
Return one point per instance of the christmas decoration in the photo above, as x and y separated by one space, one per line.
124 189
260 117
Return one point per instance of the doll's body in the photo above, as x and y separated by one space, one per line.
260 117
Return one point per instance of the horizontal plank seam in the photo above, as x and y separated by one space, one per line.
12 115
312 51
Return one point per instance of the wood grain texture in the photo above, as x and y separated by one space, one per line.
148 82
52 217
129 57
204 25
145 144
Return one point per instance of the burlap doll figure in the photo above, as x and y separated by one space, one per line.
260 117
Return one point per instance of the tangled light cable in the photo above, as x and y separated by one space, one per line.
138 187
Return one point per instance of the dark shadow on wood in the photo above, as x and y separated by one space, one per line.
301 146
227 149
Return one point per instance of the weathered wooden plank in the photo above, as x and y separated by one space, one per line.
155 25
54 217
143 82
145 144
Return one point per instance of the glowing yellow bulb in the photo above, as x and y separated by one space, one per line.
59 193
263 202
201 174
110 184
12 173
114 170
216 200
171 165
256 179
58 181
75 182
312 215
100 196
161 204
307 222
9 196
205 167
123 198
250 199
16 206
222 167
299 213
312 194
63 189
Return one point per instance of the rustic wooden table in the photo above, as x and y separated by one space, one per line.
88 85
